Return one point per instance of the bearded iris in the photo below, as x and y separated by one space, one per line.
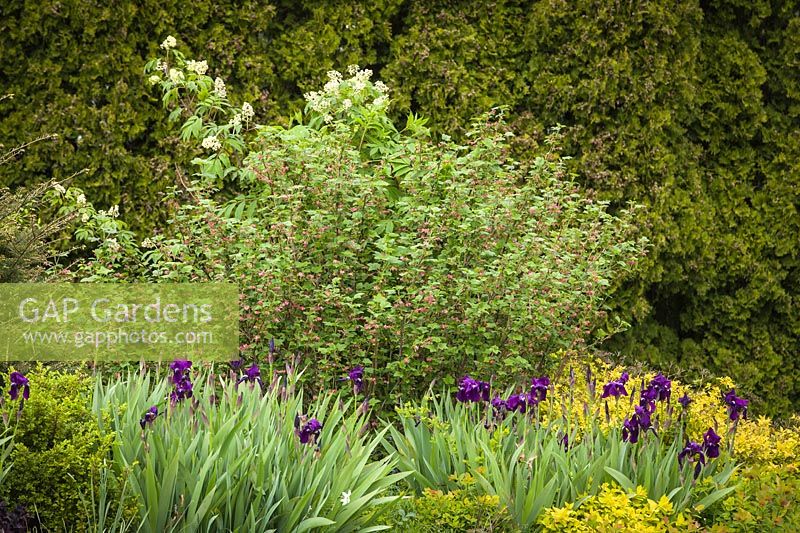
149 416
630 430
182 384
499 405
356 376
539 388
471 390
251 374
517 402
19 381
694 453
685 400
310 431
660 387
711 443
736 406
616 388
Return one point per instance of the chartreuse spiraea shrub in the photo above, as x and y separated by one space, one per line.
356 240
224 452
604 446
58 451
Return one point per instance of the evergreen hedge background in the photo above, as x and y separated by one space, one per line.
691 108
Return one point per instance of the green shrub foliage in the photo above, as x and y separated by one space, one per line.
58 449
354 242
690 108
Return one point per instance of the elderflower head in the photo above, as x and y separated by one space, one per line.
247 111
81 199
219 87
113 245
334 79
169 42
59 188
380 101
236 121
381 87
85 217
352 69
211 143
113 212
198 67
347 104
175 75
155 78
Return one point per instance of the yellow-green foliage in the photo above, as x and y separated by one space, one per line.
58 449
768 499
613 510
462 509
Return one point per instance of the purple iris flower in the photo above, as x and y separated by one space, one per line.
500 406
685 400
736 406
630 430
517 402
19 381
237 364
251 374
642 416
711 443
471 390
181 383
356 375
149 416
539 388
616 388
311 429
662 387
180 366
694 452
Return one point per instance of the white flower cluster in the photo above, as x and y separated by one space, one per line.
81 200
334 80
247 111
340 94
113 211
155 78
360 79
175 76
113 245
59 188
198 67
211 143
169 43
219 87
381 87
236 121
317 101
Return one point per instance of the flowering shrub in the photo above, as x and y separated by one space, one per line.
359 241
